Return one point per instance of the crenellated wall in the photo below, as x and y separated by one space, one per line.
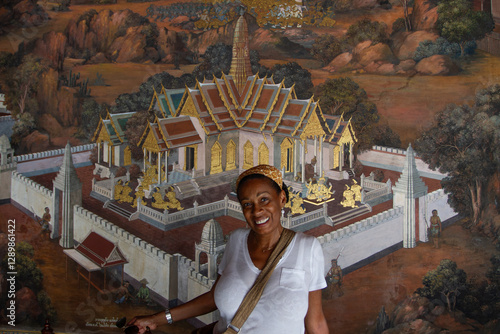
30 195
144 259
361 240
373 237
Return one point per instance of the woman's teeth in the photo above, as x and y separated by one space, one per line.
263 221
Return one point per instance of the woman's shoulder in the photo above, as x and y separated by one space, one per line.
239 233
305 239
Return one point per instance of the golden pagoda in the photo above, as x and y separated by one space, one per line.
240 65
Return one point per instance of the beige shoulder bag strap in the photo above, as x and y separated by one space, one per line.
252 297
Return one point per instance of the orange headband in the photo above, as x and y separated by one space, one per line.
269 171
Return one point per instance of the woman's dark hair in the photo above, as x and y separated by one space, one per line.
271 182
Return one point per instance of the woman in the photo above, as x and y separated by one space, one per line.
291 301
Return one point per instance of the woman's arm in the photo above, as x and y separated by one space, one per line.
315 320
200 305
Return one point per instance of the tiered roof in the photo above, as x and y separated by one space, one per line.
169 133
112 128
101 251
166 103
263 106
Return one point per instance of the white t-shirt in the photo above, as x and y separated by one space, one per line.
284 302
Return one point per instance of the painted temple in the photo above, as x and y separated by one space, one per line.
233 123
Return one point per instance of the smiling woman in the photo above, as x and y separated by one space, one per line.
270 278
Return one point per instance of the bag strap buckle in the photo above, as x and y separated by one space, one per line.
233 327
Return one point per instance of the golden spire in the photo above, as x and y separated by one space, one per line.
240 64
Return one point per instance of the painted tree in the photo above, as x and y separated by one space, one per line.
459 23
22 84
293 74
406 13
464 143
446 283
345 97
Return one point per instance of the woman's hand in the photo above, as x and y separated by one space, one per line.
146 322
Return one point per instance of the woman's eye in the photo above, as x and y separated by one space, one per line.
264 199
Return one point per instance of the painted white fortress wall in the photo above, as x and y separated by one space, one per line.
436 200
30 195
145 260
363 239
393 159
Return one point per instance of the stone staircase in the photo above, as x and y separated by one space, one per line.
176 177
111 205
350 214
187 189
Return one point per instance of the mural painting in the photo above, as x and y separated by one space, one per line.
124 125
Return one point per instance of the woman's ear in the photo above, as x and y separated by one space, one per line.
282 198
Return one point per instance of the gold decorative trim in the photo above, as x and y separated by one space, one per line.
307 111
249 93
270 111
157 120
231 155
216 158
285 105
186 110
263 154
208 107
247 155
230 91
286 145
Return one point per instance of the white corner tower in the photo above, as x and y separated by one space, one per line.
408 191
68 184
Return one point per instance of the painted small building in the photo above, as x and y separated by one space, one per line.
112 144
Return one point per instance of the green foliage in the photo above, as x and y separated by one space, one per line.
445 283
71 80
383 135
343 96
464 143
326 48
458 22
48 310
22 83
217 59
8 59
398 25
28 273
25 248
442 47
24 125
91 113
99 80
136 126
366 30
140 100
293 74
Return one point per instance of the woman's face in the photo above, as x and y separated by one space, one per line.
261 205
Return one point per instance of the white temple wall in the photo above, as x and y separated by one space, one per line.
436 200
359 241
30 195
201 147
118 156
145 260
256 139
